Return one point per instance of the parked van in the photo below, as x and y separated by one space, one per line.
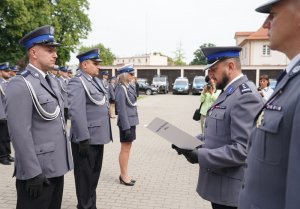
198 84
161 83
181 86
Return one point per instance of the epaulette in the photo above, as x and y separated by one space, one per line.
25 73
78 74
244 88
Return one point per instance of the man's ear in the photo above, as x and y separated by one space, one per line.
231 66
33 52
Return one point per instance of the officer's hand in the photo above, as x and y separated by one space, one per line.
84 148
127 134
190 155
179 150
34 186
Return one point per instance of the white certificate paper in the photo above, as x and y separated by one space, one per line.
173 134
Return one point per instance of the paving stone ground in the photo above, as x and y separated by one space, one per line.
164 179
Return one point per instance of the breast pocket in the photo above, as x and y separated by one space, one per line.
47 102
219 121
97 95
267 143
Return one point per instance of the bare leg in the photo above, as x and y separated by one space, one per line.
123 160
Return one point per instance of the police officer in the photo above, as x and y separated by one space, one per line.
273 171
90 127
70 73
5 149
36 125
112 97
127 119
63 80
104 79
227 128
14 70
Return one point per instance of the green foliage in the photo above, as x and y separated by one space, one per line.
199 56
71 24
18 17
106 55
179 56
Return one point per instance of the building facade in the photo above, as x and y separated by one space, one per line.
256 49
148 59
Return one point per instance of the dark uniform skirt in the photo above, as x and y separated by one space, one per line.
132 135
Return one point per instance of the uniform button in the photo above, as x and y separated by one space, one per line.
243 186
246 166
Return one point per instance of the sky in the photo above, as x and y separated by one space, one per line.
136 27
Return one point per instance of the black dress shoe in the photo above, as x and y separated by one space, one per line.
133 181
10 158
5 161
125 183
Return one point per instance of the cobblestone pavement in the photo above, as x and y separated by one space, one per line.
164 179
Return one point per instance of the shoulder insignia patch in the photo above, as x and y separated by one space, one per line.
25 73
244 88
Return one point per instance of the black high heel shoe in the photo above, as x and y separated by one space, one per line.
131 183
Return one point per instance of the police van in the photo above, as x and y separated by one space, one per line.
181 86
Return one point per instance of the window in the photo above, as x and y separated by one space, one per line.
266 50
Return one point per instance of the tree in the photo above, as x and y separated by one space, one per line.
179 56
106 55
199 56
18 17
71 24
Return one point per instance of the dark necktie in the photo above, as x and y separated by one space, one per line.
279 78
47 77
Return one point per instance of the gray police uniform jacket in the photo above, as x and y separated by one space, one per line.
105 86
111 92
272 177
3 84
64 91
227 129
41 146
127 113
88 120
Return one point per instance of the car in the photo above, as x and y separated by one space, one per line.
273 83
146 88
181 86
142 80
161 83
198 84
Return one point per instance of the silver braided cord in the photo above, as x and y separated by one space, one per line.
40 110
100 103
62 87
127 98
1 90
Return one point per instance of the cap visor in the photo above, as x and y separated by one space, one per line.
97 60
53 44
210 65
265 8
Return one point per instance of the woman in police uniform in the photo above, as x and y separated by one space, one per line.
127 119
